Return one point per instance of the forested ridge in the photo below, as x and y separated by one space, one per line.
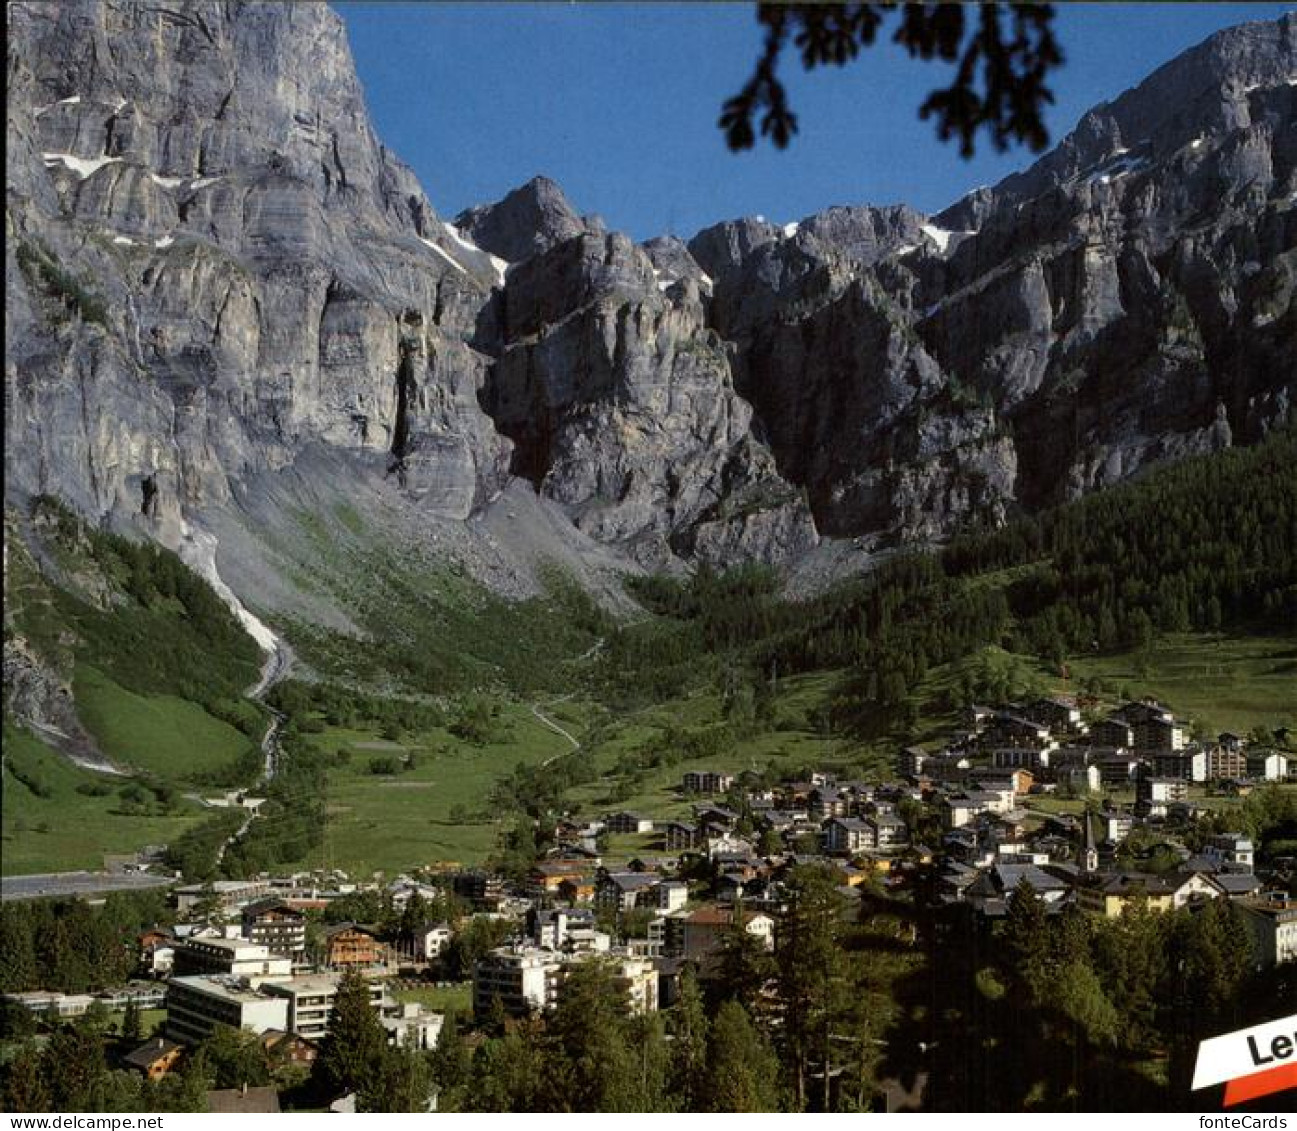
1200 545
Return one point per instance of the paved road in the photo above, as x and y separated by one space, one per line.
77 883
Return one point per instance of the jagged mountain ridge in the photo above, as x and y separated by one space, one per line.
1126 299
274 282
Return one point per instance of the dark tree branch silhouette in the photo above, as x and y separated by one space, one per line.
1004 53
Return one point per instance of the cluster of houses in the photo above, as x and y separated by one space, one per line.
1141 741
966 824
978 800
247 966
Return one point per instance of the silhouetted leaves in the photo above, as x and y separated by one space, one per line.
1004 53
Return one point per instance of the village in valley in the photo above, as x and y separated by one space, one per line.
1103 813
514 603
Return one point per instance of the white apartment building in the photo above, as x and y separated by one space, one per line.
310 1001
236 958
525 980
197 1003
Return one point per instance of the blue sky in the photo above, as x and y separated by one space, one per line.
618 103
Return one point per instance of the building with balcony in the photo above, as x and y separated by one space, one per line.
275 925
236 958
198 1003
310 1002
523 979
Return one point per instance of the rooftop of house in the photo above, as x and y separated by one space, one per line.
245 1100
631 881
1236 883
347 928
223 986
1008 876
1015 720
272 904
307 984
560 867
149 1053
233 947
1127 883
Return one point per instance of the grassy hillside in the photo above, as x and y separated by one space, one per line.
1223 681
422 740
425 626
432 799
164 735
157 665
728 674
57 817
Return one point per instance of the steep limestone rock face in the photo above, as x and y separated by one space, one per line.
672 263
531 219
857 410
209 258
851 404
726 247
763 271
623 410
1207 90
1127 299
866 235
217 274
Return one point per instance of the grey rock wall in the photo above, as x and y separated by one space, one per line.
214 266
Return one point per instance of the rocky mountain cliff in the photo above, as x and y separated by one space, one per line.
1127 299
217 276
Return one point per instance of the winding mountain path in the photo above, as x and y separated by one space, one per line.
547 721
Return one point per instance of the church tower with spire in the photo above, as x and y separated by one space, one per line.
1089 852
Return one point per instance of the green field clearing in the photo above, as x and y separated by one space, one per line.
1227 682
67 830
1230 682
456 997
392 822
657 796
163 734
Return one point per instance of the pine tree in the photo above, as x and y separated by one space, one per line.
132 1032
400 1082
513 1073
452 1065
234 1058
742 1069
652 1068
810 968
354 1046
1025 938
689 1026
18 962
589 1036
741 967
413 918
73 1067
23 1086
